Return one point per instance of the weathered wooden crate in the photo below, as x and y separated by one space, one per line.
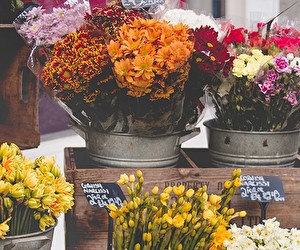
87 226
18 92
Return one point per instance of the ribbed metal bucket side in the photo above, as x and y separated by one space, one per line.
232 148
41 240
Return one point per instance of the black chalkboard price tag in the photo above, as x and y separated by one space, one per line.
140 4
100 194
263 189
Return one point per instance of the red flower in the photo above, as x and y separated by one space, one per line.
256 40
290 44
236 36
210 55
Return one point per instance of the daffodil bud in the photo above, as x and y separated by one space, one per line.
17 191
230 211
197 226
236 172
188 218
125 225
141 180
34 203
162 232
190 193
131 178
155 190
4 187
123 179
122 219
55 170
139 173
131 223
205 196
237 182
137 246
227 184
242 213
180 200
184 230
8 203
168 190
214 199
129 191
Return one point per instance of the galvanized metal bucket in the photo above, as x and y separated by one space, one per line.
41 240
122 150
231 148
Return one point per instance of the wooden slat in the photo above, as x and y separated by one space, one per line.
19 92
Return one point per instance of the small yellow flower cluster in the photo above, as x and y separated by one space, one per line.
249 64
30 190
194 220
150 57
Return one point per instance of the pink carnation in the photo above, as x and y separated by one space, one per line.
272 75
281 64
291 97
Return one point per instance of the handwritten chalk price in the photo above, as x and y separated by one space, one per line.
262 188
102 194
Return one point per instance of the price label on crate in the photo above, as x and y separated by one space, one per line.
139 4
101 194
262 188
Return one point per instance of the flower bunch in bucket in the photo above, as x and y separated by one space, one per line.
117 69
174 218
32 193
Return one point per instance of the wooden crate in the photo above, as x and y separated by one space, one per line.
19 92
86 226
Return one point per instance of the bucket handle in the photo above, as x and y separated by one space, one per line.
188 134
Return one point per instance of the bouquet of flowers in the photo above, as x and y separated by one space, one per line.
252 76
262 91
32 193
114 69
268 235
195 220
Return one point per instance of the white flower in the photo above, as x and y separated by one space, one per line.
266 236
190 18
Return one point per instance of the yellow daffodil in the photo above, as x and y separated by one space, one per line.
4 228
178 190
178 221
162 219
164 198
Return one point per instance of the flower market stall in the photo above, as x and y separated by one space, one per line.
134 78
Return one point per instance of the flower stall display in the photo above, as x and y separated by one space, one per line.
33 193
174 218
268 235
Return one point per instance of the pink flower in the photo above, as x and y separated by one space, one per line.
272 75
291 97
267 86
281 64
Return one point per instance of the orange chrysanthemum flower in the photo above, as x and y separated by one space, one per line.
151 56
